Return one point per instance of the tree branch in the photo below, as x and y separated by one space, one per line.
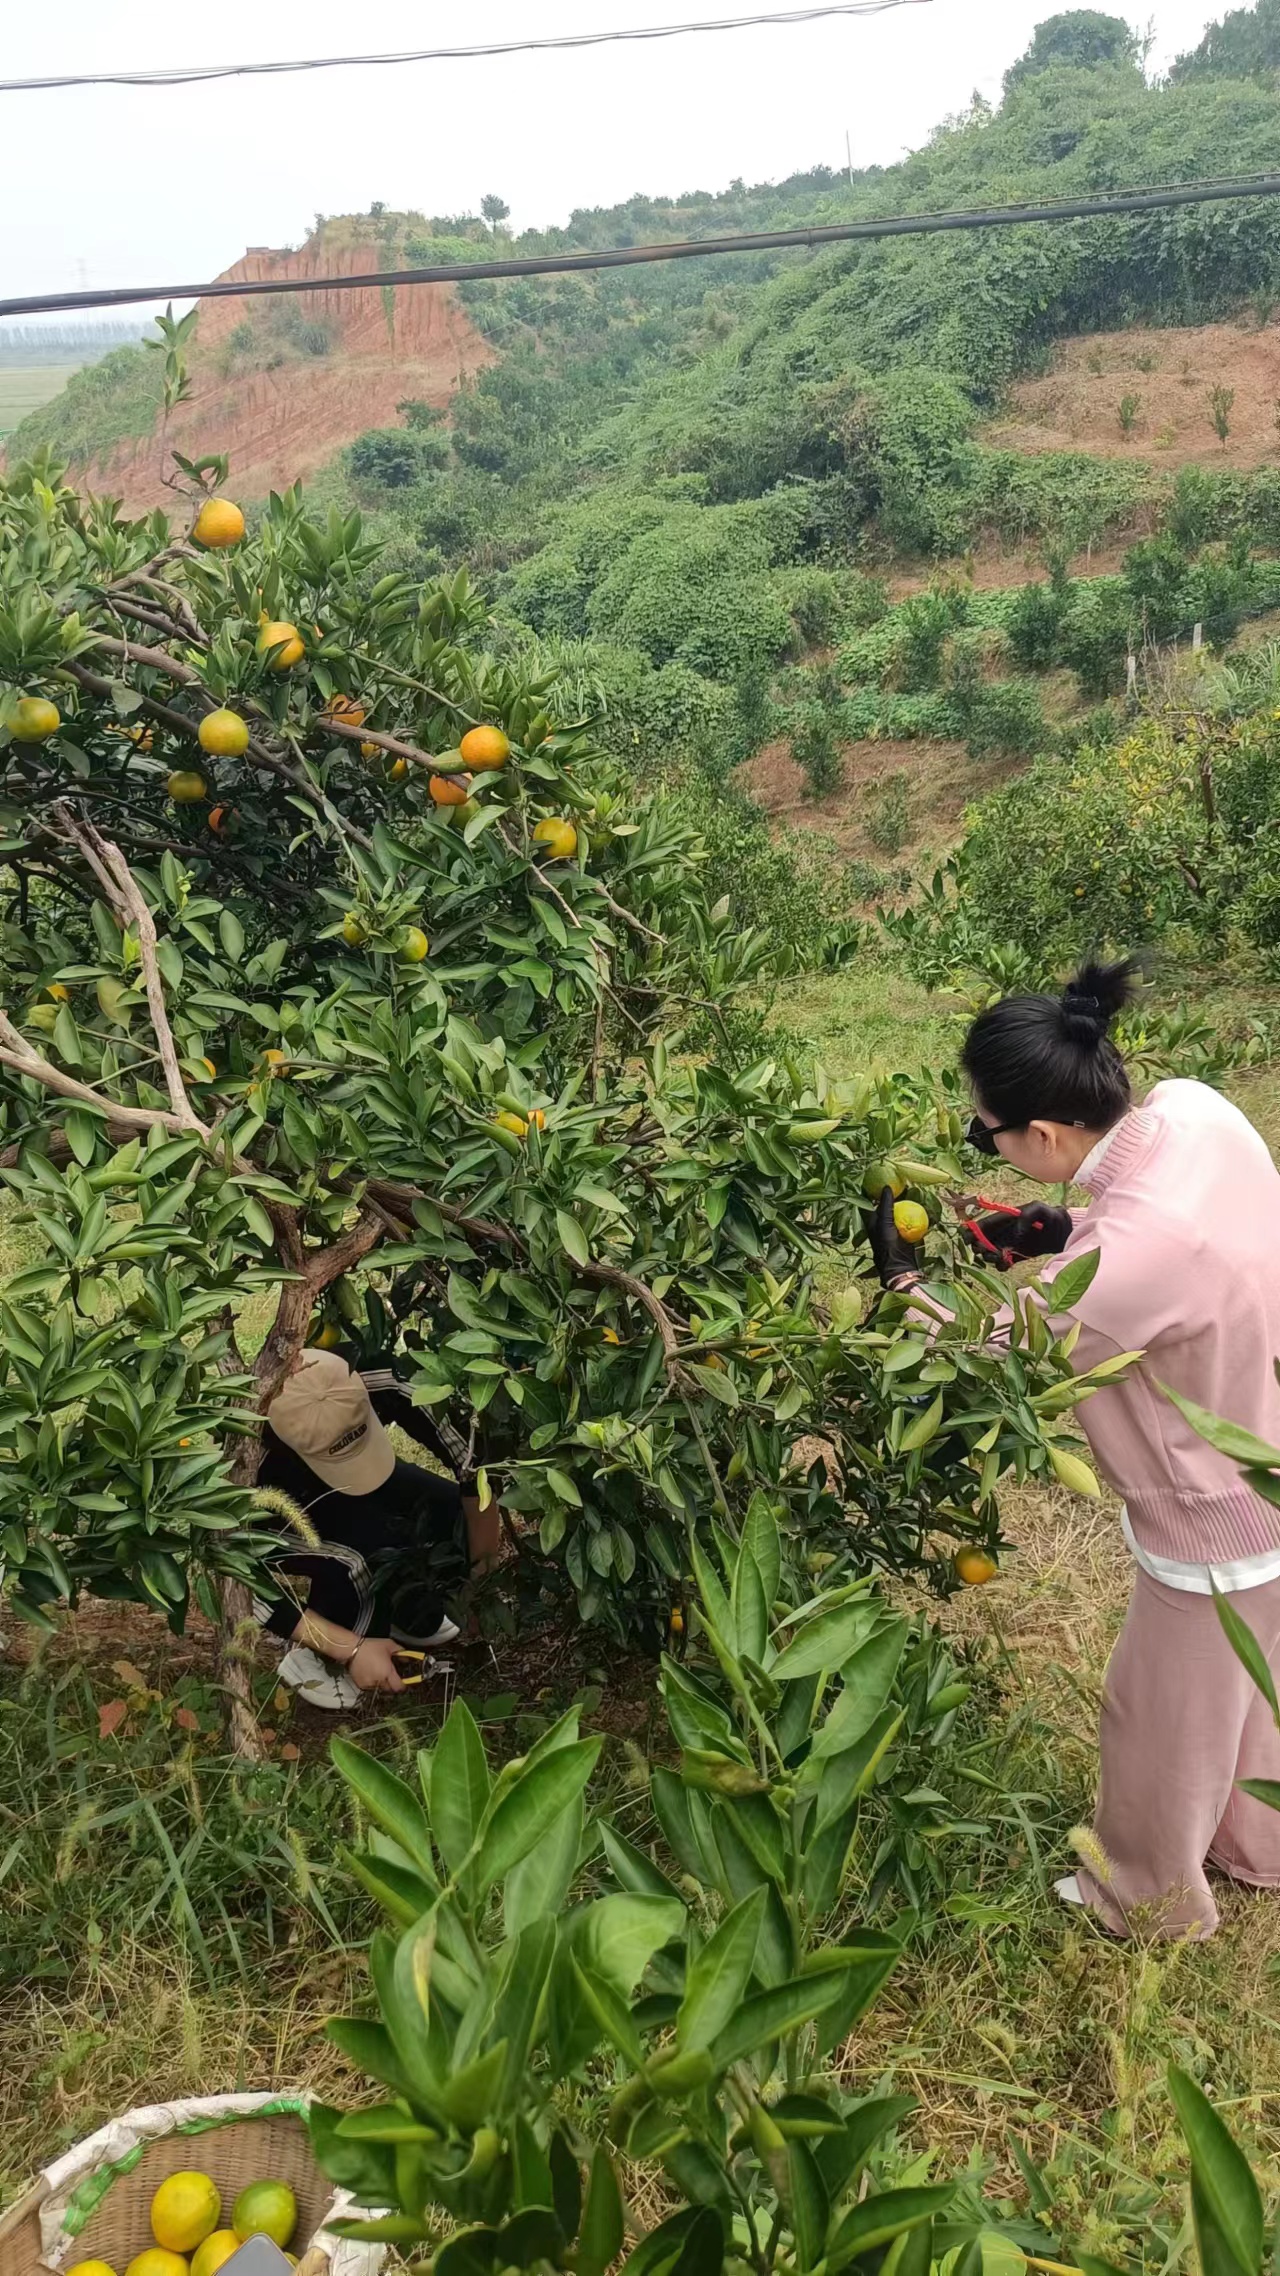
120 886
17 1054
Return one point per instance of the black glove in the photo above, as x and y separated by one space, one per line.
1042 1229
895 1259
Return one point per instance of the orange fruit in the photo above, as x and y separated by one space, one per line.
59 993
218 523
974 1566
219 817
911 1221
223 734
537 1118
611 1335
559 837
346 709
275 1058
414 946
371 751
186 787
448 790
208 2259
485 748
398 769
285 639
33 720
328 1338
515 1123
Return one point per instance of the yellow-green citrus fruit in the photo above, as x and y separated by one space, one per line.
91 2268
215 2249
266 2208
33 720
414 946
154 2262
559 838
109 993
285 639
274 1058
186 787
398 769
485 748
974 1566
353 931
882 1174
43 1016
218 523
911 1221
515 1123
223 734
184 2211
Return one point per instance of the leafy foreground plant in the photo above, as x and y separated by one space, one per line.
687 2026
522 2038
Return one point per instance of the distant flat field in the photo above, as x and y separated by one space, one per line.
24 387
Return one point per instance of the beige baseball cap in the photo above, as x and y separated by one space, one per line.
323 1413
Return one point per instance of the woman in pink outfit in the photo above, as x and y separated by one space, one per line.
1184 1213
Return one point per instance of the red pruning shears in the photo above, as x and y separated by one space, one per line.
966 1207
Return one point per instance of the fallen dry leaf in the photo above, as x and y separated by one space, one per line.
129 1674
290 1753
185 1720
111 1716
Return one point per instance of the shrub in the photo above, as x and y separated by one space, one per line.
394 458
816 750
1033 625
1005 717
889 813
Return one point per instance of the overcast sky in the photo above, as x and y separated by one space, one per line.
112 185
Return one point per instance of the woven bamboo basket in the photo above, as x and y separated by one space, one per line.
50 2228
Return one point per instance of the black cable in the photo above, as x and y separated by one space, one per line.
198 73
618 257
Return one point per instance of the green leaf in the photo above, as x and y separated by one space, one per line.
83 1130
716 1981
810 2209
1074 1281
632 1867
866 1681
531 2182
390 1803
1247 1649
1225 2201
1229 1438
531 1806
529 2237
662 2251
404 1894
386 2122
388 2228
573 1237
617 1936
1262 1789
672 1809
871 1962
826 1641
877 2220
749 1607
566 2183
468 2095
601 2234
368 2047
459 1786
760 1535
717 1384
842 2156
518 2009
539 1884
607 2009
770 2014
231 934
912 2253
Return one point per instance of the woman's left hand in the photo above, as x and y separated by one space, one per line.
895 1259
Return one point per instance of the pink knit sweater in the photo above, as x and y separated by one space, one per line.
1185 1215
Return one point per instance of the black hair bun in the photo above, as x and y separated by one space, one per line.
1095 997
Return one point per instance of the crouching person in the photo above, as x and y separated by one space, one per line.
389 1539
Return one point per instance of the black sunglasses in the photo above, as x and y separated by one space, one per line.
982 1135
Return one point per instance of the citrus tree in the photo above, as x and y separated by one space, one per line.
344 977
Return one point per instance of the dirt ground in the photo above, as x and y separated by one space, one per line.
943 780
1076 406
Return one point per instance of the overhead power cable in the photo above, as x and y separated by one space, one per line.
195 74
628 256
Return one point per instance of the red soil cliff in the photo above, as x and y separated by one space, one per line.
277 424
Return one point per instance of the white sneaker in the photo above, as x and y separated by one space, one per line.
1068 1890
444 1634
315 1681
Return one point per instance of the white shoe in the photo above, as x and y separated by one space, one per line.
444 1634
316 1682
1068 1890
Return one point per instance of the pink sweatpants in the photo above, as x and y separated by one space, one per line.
1181 1722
